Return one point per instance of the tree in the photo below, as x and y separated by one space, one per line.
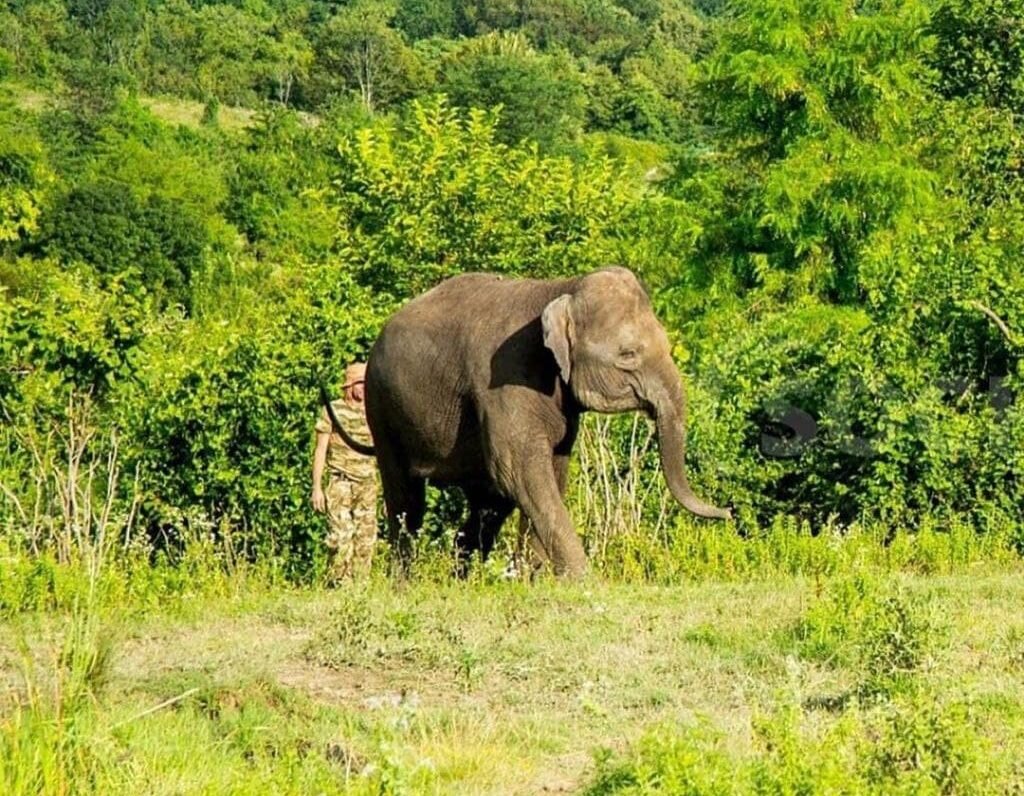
817 102
854 235
658 97
111 28
541 96
232 53
979 54
421 19
443 195
358 51
24 179
155 245
171 57
290 57
278 186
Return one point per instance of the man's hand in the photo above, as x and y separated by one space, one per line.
318 500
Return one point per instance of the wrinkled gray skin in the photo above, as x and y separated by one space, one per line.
481 381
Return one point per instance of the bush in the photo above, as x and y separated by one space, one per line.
154 245
923 747
887 636
62 332
220 419
443 196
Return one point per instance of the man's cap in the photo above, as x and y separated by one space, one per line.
354 374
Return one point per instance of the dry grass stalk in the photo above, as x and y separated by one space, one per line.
615 494
77 507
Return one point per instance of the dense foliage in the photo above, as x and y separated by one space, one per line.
545 62
825 199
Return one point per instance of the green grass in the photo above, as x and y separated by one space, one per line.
189 113
173 110
879 679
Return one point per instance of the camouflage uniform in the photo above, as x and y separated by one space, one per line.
351 494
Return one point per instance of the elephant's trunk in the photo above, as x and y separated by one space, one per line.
670 415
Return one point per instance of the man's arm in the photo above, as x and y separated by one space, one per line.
319 460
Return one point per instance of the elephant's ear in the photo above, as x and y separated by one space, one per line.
557 322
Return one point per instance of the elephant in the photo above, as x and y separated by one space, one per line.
480 383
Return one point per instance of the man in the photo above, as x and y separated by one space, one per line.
350 500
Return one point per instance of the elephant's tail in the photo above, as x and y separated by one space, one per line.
354 444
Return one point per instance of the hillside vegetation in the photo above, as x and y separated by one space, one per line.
831 233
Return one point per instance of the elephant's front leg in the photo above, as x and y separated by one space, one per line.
530 555
533 483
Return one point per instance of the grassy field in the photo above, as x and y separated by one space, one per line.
172 110
868 680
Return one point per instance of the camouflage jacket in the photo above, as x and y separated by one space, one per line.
341 459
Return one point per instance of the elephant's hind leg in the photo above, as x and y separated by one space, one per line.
405 504
487 513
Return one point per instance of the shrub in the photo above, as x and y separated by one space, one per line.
887 636
153 245
923 747
220 418
443 196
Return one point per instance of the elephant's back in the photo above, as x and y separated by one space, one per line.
456 296
477 303
429 340
454 328
433 357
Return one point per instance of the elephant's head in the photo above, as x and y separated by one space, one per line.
615 357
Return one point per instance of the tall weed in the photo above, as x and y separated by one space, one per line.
887 636
49 736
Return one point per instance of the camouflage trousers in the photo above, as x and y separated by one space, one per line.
352 525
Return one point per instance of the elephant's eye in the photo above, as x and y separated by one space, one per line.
628 357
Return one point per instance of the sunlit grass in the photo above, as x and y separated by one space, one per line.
497 686
189 113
